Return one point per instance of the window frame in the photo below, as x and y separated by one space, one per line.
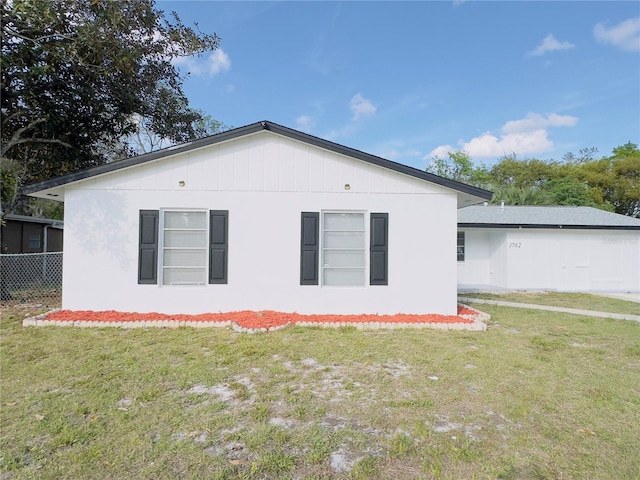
364 249
161 248
461 249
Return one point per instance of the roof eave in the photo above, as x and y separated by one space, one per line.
140 159
547 226
470 195
484 195
52 222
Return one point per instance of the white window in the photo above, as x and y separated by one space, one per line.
184 247
343 248
461 246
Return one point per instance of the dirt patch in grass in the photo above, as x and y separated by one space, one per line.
538 395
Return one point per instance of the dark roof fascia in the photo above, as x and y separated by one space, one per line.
27 219
254 128
548 227
140 159
379 161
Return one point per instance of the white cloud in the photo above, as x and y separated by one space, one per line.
305 123
625 35
487 145
442 152
218 62
527 135
210 65
535 121
361 107
550 44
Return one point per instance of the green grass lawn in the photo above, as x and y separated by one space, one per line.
539 395
569 300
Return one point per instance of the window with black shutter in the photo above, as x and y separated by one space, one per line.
218 245
379 249
177 248
309 248
333 251
148 247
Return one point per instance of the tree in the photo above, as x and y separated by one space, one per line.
146 140
584 155
616 179
458 166
512 195
75 76
523 173
571 191
609 183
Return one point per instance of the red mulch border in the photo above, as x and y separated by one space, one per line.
266 319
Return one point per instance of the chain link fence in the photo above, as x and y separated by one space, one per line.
31 278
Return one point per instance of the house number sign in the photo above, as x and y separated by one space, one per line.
515 245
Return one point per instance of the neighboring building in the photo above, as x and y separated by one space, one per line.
261 217
23 234
560 248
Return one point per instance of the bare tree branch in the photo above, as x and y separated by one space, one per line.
38 40
16 137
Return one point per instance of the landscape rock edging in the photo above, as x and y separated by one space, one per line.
477 323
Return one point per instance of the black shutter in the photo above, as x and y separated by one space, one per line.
148 247
379 249
309 248
218 245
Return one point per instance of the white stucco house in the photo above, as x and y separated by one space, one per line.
561 248
260 217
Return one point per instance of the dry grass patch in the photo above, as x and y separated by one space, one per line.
584 301
538 395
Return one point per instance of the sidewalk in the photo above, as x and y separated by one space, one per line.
629 297
575 311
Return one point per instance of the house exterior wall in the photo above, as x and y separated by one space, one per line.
265 182
475 269
553 259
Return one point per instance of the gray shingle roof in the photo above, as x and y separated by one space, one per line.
493 216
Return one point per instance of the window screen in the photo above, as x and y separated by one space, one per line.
343 248
184 249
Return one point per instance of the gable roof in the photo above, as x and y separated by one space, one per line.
529 216
469 193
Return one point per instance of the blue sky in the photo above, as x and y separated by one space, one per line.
410 80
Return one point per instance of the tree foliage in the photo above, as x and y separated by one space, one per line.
616 179
609 183
512 195
458 166
145 140
526 173
570 191
76 74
